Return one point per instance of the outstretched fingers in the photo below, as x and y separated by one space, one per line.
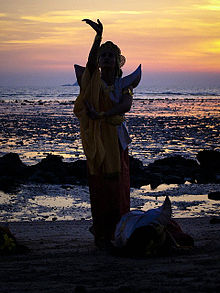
100 24
87 20
98 27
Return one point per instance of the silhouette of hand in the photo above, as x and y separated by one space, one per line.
97 26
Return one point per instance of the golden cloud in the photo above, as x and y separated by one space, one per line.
68 16
177 36
212 5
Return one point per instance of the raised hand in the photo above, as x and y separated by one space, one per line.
97 26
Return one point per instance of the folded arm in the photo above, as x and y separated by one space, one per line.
118 109
121 108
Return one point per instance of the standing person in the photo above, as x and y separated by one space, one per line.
100 107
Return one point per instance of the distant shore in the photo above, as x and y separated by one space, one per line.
62 256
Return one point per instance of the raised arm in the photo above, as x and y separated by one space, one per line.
93 55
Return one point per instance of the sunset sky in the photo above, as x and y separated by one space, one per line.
42 39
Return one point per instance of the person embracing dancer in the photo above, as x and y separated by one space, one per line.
100 107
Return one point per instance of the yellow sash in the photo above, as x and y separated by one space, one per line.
99 137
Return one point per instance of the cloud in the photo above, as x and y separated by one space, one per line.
68 16
181 34
212 5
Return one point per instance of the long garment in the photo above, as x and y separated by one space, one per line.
110 199
105 146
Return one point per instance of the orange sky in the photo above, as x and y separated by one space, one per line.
47 36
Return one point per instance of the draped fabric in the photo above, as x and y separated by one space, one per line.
99 137
107 161
110 199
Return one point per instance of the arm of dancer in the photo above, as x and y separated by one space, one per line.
118 109
124 106
93 55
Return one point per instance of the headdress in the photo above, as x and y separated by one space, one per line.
115 49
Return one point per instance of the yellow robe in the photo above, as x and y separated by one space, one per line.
99 137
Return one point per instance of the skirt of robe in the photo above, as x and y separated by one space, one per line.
110 199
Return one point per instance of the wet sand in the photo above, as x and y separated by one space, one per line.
38 202
62 256
158 127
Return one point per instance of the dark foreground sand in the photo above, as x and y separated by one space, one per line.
62 256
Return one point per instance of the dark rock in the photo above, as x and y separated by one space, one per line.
51 161
209 162
139 179
125 289
214 195
138 173
215 220
9 184
52 170
80 289
209 159
78 168
51 164
204 176
47 177
12 172
135 164
172 179
155 180
174 164
175 161
11 165
174 170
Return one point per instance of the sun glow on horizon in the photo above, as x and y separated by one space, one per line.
163 36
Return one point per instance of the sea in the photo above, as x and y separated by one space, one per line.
163 121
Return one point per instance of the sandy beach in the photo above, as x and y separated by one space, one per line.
62 256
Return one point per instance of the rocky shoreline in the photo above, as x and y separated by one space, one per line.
52 170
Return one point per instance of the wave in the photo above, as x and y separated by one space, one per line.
67 93
172 93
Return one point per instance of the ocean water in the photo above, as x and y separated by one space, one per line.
162 122
37 121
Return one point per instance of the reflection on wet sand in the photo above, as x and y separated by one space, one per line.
55 202
188 200
180 106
